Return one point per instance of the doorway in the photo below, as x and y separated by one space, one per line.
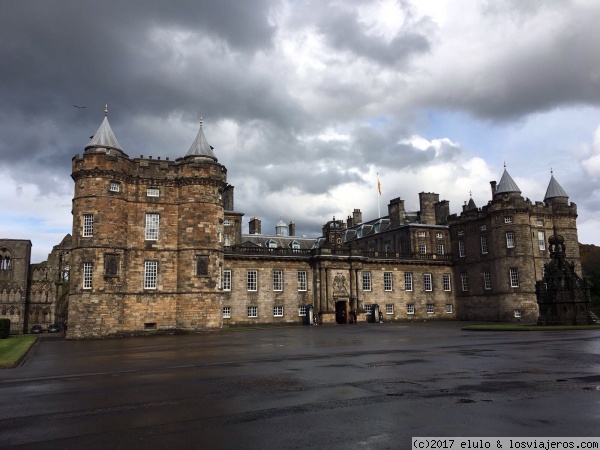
341 311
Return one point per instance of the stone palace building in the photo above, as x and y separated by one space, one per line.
157 246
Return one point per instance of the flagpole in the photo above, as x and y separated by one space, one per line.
378 195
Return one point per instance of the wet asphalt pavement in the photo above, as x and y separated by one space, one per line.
367 386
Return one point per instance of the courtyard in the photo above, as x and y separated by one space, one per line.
366 386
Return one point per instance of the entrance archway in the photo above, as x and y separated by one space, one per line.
341 311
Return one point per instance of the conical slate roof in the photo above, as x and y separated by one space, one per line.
507 184
200 147
554 190
471 204
104 137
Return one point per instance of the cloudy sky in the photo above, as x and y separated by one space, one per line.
304 101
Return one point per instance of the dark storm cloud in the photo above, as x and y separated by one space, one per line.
553 65
340 25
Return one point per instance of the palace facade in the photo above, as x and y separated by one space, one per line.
157 246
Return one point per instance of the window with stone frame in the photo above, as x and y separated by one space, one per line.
484 245
278 280
88 225
114 186
429 308
446 282
514 277
461 248
302 280
427 281
464 281
226 312
252 311
408 281
440 249
387 281
152 226
150 274
111 265
449 308
541 240
389 309
510 239
422 249
410 308
366 281
252 280
302 311
277 311
227 280
152 192
487 280
368 308
88 268
201 265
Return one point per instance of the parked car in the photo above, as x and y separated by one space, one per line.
53 328
37 329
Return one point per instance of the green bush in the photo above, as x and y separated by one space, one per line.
4 328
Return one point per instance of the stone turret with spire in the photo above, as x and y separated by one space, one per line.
104 139
200 147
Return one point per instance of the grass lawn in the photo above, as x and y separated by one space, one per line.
13 348
518 327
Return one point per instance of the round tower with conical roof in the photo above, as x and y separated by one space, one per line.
147 252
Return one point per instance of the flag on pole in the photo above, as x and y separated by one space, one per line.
378 186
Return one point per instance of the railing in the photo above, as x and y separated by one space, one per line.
316 252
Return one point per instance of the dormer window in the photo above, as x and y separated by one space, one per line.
295 245
271 244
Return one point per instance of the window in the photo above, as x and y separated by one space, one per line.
252 311
366 281
510 239
368 309
540 222
227 222
514 277
152 192
271 244
152 223
421 234
487 280
408 281
389 309
410 308
429 309
439 235
227 240
541 240
461 232
464 281
302 311
422 249
449 308
427 282
440 249
484 246
227 280
277 311
302 280
295 245
87 275
88 225
482 227
461 248
252 280
446 282
220 231
517 313
201 265
278 280
114 186
150 274
226 312
387 281
111 265
508 219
